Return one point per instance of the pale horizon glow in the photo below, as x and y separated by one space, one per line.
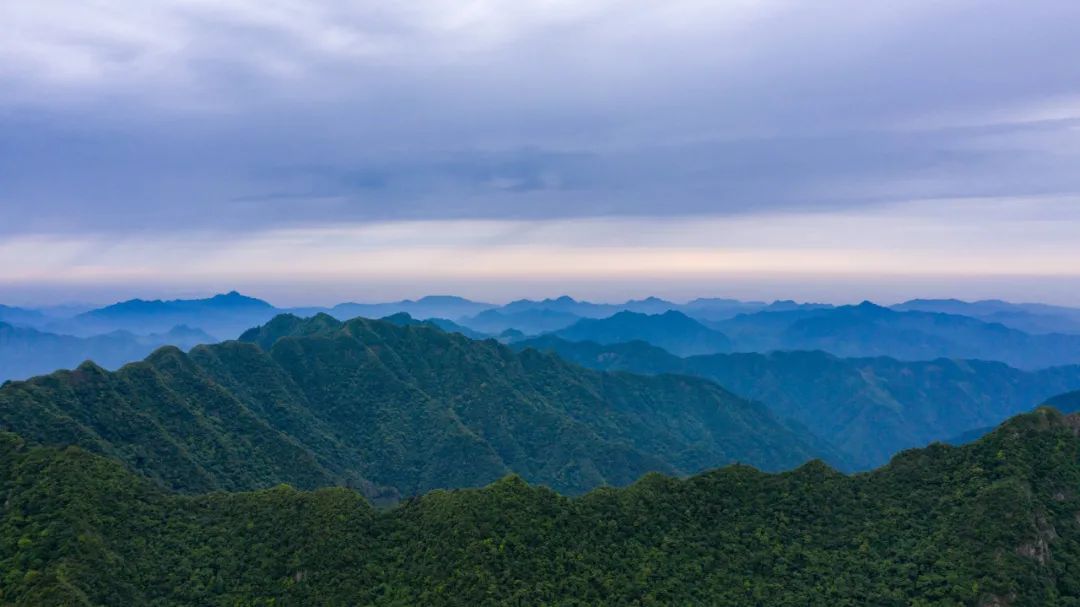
497 259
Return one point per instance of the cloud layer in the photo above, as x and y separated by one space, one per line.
252 117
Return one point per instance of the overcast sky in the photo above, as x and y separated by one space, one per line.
312 152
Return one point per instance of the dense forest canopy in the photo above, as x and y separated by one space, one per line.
996 522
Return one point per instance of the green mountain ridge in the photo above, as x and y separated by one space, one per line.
870 408
392 410
996 522
1066 403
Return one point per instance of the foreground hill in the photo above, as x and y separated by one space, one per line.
870 408
25 352
871 330
992 523
672 331
409 408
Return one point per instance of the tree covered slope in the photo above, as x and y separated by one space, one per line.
870 408
996 522
393 410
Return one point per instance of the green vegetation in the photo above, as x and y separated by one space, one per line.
870 408
392 410
992 523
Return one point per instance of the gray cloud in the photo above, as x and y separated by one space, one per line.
123 116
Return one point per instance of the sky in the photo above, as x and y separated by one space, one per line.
352 150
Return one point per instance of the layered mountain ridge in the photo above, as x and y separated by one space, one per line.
394 410
870 408
25 352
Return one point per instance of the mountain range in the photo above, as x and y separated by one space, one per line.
224 315
20 316
1069 402
672 331
529 322
160 483
393 410
872 330
1028 317
26 352
1024 335
992 523
432 306
869 408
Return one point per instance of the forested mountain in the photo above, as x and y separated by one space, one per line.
1029 317
991 523
672 331
315 402
870 408
871 330
26 352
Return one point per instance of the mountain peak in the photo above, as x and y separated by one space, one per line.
672 330
443 299
675 314
231 299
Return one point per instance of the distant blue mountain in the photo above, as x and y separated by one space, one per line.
871 330
25 352
21 316
673 331
225 315
1066 403
528 321
403 319
1027 317
585 309
431 306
